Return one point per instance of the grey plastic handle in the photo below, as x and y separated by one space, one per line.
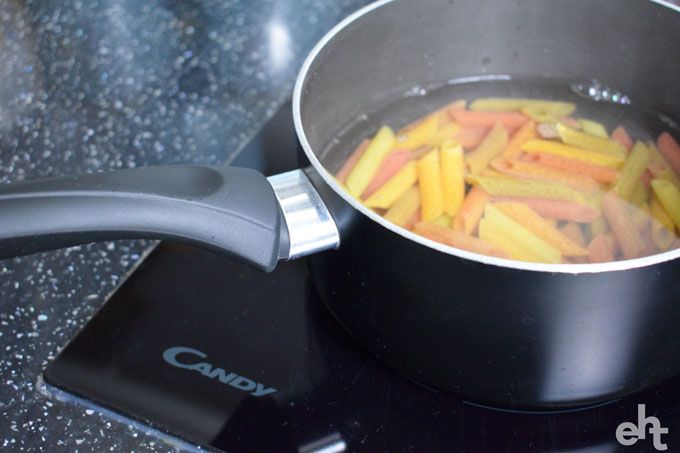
226 209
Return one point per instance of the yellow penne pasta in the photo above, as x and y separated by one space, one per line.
528 241
669 175
492 146
660 168
523 134
453 176
640 195
421 133
571 152
443 220
598 226
495 236
528 170
542 228
669 196
405 207
539 115
633 168
663 229
593 128
526 188
362 173
394 188
553 107
445 132
590 142
431 191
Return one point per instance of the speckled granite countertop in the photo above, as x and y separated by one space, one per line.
94 85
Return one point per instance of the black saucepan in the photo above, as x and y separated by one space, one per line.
494 330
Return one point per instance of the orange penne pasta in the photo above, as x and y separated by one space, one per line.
574 232
415 218
599 173
389 167
670 149
511 120
600 250
467 218
351 161
529 219
523 134
625 232
621 136
470 137
557 209
457 239
444 116
492 146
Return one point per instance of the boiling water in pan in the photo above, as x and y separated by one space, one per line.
594 102
642 121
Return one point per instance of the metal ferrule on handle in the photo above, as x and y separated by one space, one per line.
311 227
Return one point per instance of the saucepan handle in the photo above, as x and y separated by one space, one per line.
231 210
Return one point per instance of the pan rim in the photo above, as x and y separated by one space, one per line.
589 268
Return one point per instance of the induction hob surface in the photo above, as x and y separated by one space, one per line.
227 357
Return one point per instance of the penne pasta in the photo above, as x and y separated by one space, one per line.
621 136
492 146
362 173
453 177
522 179
394 188
526 188
625 232
457 239
431 190
471 211
516 236
585 140
632 171
523 134
510 120
405 207
593 128
419 134
389 167
349 164
529 219
571 152
554 107
669 196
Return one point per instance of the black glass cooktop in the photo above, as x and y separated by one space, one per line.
224 356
